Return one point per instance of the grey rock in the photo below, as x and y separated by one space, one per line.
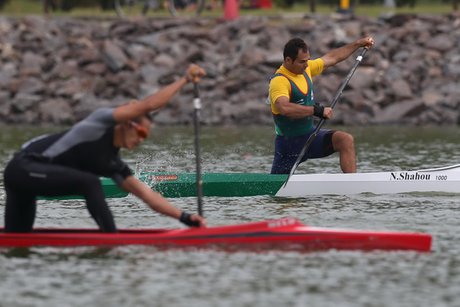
397 111
56 111
24 101
441 43
32 63
401 89
113 56
31 85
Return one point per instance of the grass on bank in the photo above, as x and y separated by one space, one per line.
34 7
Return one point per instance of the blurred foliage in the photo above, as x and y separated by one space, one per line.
399 3
3 2
335 3
67 5
102 7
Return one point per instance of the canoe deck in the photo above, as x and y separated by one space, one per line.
215 184
285 234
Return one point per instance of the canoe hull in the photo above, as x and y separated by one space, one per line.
285 234
442 180
172 185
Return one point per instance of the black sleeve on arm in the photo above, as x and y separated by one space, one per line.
122 174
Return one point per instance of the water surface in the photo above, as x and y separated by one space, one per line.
147 276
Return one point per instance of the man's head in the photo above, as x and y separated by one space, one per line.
135 131
296 55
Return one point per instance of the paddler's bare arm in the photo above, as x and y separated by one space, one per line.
155 201
296 111
338 55
158 100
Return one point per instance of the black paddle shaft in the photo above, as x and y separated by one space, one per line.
196 124
321 122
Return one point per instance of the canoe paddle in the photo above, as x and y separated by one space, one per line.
196 124
321 122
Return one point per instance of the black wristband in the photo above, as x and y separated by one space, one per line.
318 111
185 218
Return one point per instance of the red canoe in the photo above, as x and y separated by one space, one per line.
286 234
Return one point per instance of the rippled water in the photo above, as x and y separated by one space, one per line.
146 276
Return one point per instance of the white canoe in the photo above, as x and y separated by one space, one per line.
439 180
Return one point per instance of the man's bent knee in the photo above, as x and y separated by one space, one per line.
342 141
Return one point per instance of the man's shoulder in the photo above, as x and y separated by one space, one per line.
281 74
316 66
279 79
102 111
103 115
316 61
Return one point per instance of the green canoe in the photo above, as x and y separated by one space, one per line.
215 184
173 185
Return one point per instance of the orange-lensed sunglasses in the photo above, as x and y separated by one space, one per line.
141 131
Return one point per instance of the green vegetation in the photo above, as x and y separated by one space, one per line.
371 8
35 7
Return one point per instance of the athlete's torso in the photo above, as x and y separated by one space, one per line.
87 146
299 90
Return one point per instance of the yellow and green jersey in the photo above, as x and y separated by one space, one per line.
299 89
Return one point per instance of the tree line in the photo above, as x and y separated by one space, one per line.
67 5
354 3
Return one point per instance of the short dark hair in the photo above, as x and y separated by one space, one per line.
292 47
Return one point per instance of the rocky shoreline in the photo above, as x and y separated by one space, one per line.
56 70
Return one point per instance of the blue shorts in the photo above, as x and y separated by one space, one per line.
287 150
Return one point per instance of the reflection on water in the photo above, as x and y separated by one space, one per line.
147 276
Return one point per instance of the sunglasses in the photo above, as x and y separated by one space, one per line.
141 131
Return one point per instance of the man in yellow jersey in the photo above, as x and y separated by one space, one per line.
293 106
